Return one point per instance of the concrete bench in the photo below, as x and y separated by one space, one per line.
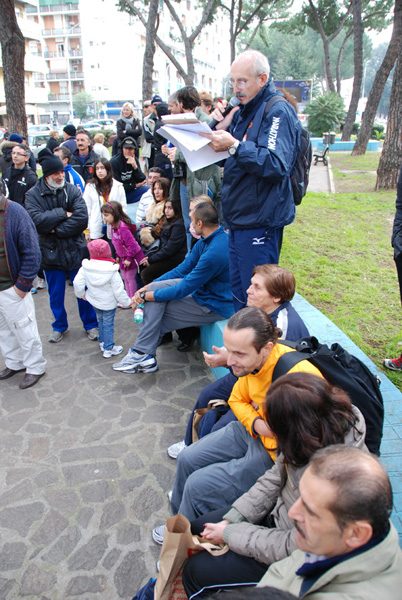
328 333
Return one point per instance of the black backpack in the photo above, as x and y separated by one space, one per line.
345 371
301 170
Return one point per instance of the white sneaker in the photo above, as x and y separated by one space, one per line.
41 283
169 495
113 352
101 346
134 362
158 534
175 449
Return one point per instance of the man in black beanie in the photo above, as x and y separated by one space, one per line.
60 214
69 133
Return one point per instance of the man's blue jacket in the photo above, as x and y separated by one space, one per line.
256 188
204 274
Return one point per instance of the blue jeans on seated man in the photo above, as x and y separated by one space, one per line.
217 390
106 327
56 285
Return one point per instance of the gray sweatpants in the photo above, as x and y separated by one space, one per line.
161 317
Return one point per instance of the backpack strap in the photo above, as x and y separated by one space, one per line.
287 361
271 102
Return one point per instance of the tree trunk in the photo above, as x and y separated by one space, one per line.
379 83
339 60
13 56
188 48
232 33
148 60
358 70
391 156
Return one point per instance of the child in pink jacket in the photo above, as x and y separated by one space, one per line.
128 251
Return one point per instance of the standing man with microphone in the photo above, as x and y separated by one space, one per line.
257 198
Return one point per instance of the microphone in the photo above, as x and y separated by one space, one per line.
234 101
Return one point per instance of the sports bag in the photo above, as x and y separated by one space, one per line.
301 170
345 371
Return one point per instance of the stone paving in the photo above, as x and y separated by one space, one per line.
84 470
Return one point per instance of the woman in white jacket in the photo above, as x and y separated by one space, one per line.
100 189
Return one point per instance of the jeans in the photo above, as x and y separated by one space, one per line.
217 390
185 209
106 327
56 285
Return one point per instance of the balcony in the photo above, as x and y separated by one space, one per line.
56 54
64 76
57 32
30 30
62 8
58 97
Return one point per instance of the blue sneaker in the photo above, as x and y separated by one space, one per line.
134 362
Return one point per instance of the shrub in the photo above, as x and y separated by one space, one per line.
325 113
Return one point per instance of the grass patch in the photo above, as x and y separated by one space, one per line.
339 249
344 167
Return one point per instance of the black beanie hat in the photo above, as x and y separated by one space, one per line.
70 129
49 162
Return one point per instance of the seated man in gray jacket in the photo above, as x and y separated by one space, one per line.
348 548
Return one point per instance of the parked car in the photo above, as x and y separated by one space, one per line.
39 128
107 124
92 126
37 141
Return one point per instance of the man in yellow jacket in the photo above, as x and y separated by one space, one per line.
223 465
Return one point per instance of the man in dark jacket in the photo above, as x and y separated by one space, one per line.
126 169
257 198
83 158
69 133
19 178
60 215
20 343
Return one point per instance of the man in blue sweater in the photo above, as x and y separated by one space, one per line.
20 342
194 293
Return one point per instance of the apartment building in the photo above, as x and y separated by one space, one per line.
73 45
35 66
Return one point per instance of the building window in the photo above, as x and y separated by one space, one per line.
91 43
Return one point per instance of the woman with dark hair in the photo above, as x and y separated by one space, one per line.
173 245
305 413
100 189
154 215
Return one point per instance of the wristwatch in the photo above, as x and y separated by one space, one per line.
232 149
142 295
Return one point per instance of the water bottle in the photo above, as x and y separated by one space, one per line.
139 313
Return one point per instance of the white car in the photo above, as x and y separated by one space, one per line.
39 129
107 124
92 126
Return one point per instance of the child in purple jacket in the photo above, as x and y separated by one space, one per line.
128 251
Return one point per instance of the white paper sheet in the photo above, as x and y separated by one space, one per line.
194 147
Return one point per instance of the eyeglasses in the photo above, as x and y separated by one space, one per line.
17 154
241 83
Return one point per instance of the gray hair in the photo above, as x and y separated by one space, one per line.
260 61
173 98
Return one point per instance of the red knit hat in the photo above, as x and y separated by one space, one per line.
99 249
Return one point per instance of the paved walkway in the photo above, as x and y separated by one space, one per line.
84 470
319 180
